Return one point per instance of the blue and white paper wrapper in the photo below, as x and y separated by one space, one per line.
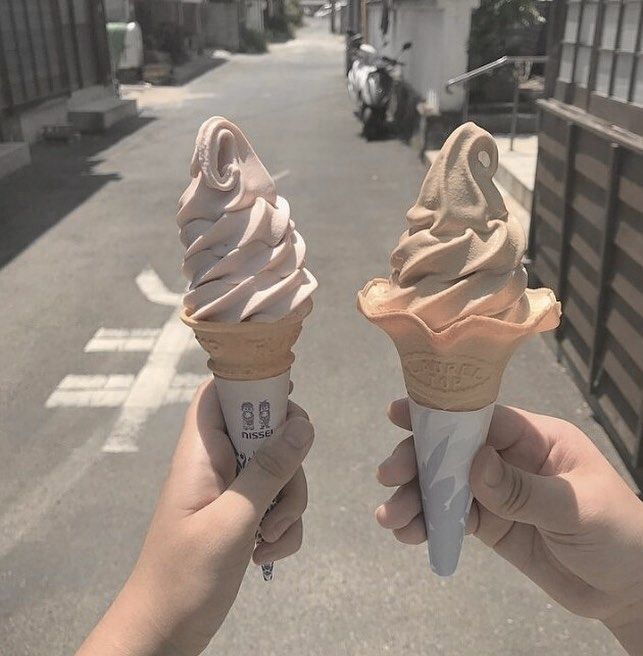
445 445
252 410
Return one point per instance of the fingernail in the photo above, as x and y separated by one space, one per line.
494 469
298 433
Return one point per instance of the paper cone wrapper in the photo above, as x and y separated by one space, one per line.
445 445
252 410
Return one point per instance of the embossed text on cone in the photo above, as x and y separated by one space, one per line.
445 445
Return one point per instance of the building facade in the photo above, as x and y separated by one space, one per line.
50 50
586 238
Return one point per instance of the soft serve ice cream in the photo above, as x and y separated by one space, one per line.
249 292
244 259
456 302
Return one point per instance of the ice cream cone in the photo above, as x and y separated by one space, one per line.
456 306
251 366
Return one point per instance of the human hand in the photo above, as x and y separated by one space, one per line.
546 500
202 535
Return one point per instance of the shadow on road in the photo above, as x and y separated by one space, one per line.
60 177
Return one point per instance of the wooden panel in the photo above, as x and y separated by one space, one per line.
583 286
629 292
546 178
585 251
591 168
553 221
625 334
588 208
619 374
576 316
631 193
551 146
625 434
630 241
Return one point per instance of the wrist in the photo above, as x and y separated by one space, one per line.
127 629
627 627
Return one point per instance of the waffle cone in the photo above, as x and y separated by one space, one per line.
458 368
249 350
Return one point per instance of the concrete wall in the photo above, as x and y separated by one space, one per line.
439 30
222 25
254 15
117 11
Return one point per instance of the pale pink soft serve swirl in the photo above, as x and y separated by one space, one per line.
244 259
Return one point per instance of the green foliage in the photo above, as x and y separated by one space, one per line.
252 42
496 27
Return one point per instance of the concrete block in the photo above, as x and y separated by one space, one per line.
100 115
13 156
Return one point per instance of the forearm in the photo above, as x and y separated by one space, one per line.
125 630
627 628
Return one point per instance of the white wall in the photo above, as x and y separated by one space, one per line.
439 30
222 25
117 11
254 15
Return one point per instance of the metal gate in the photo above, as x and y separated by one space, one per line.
50 48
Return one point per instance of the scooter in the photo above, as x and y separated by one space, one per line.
370 85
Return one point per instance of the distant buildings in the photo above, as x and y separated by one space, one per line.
55 70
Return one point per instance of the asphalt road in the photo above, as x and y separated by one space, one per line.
78 227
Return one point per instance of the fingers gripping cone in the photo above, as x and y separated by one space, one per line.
452 378
251 366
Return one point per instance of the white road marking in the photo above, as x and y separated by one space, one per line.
282 174
91 391
183 386
150 386
154 290
116 339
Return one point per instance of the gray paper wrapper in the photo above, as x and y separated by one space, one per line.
252 410
445 444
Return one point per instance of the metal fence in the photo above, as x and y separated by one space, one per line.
50 48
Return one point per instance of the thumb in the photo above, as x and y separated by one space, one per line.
547 502
274 464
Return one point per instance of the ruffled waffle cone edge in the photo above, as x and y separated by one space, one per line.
250 350
460 367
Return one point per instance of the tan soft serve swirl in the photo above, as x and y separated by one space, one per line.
244 259
461 255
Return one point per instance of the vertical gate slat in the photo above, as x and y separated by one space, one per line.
74 38
566 220
606 254
21 70
43 36
4 76
60 42
32 51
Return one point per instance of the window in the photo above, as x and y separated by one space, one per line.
617 70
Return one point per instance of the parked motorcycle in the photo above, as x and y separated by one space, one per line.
353 41
370 85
